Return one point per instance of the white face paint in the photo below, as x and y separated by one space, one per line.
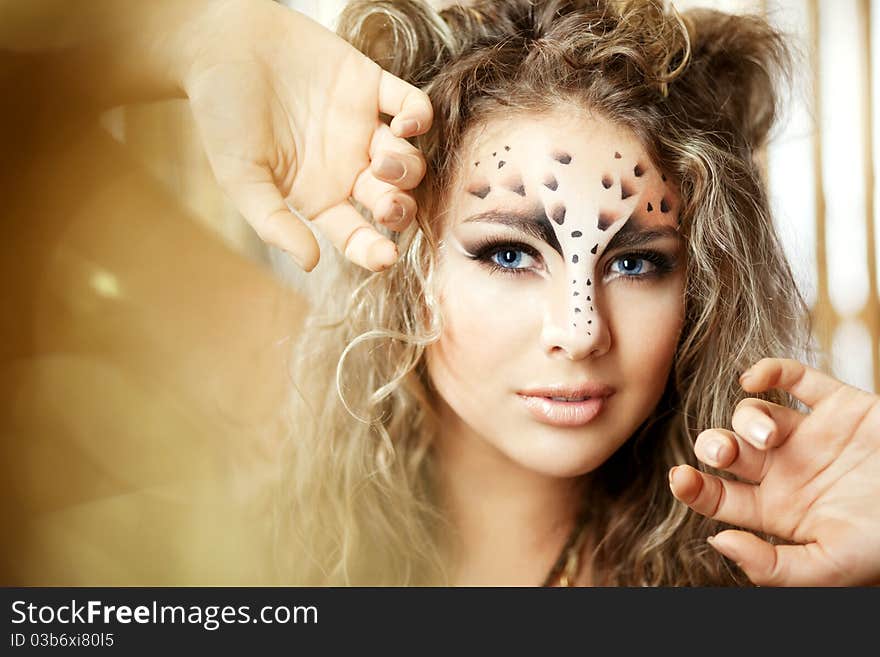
541 285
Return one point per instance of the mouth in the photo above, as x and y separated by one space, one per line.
566 406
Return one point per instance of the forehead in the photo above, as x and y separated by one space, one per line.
576 129
570 147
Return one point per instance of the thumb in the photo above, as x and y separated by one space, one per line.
264 209
777 565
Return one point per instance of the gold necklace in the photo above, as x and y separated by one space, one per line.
565 570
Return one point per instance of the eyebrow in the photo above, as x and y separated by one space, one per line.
536 224
634 235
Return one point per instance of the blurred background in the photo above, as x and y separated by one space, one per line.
144 358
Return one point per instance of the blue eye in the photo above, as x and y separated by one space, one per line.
631 266
508 258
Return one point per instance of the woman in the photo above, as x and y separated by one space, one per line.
592 265
441 460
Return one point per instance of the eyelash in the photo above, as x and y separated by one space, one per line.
486 249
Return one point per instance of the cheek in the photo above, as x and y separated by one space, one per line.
486 328
647 324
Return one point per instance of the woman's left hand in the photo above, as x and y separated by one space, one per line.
810 479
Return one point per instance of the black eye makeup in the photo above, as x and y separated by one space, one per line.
640 266
505 256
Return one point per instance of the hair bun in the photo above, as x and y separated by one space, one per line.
736 61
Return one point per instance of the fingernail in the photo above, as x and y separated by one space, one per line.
397 214
713 450
390 170
760 432
724 550
408 127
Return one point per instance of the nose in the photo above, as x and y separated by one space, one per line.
574 324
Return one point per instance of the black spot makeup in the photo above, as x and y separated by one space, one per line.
605 220
513 182
480 192
599 209
558 214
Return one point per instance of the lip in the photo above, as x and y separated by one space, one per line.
564 413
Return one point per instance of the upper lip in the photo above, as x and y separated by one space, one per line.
587 389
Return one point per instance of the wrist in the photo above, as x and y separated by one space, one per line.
171 38
217 31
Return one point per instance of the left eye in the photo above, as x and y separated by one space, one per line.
632 266
510 258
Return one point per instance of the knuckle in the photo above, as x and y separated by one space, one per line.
744 404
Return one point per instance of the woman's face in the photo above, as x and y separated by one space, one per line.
561 274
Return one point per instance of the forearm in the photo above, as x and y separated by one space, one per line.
105 52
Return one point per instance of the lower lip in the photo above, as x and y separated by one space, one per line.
564 413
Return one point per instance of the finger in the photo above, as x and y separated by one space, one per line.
807 384
778 565
355 238
409 106
389 206
733 502
396 210
765 424
264 209
395 160
725 450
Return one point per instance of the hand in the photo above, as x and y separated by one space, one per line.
810 479
289 114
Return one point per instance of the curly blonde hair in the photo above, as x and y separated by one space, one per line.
699 90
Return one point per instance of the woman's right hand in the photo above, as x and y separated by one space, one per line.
289 114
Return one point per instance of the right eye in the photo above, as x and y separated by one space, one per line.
509 257
502 256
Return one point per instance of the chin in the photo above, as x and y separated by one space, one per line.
560 453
